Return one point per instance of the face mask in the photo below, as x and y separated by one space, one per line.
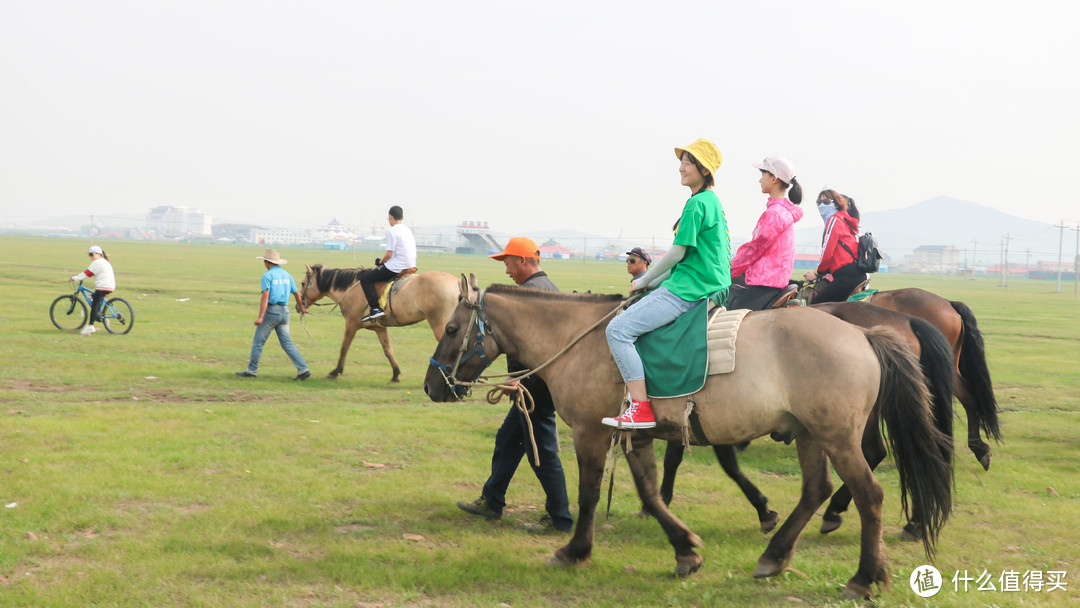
826 210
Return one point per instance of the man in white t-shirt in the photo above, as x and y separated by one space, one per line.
400 255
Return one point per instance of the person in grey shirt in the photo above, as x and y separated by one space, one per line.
522 259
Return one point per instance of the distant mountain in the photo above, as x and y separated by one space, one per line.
937 221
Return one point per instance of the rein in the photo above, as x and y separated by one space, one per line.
523 400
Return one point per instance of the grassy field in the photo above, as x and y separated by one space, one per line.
138 470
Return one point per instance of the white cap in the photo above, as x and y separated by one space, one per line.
778 166
96 249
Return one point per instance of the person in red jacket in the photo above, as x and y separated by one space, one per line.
839 244
768 258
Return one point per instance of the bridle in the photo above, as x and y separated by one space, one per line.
465 352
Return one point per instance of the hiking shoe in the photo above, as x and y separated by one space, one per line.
304 375
638 415
246 374
479 507
374 314
89 329
544 526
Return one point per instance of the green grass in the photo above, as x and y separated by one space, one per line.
146 474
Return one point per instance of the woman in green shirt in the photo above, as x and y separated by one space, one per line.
699 262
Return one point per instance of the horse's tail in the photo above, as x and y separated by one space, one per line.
976 374
936 361
919 448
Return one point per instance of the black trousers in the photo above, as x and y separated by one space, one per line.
368 280
844 280
753 297
96 301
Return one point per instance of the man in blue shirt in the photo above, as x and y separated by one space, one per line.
274 315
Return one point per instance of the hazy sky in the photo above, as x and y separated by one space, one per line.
531 115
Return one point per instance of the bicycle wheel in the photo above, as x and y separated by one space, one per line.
68 312
117 316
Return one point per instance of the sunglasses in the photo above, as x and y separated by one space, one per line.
632 260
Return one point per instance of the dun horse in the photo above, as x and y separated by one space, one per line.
428 295
936 361
800 373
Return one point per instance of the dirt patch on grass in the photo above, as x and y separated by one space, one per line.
35 387
167 396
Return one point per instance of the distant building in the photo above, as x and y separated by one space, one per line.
936 258
168 221
280 236
553 250
477 238
336 231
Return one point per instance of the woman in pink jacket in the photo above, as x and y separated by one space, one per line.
767 260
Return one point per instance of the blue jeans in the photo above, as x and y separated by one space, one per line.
276 319
656 309
512 443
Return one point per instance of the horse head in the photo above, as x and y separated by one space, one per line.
309 287
466 349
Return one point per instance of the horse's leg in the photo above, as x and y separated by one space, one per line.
873 447
642 461
346 341
868 496
590 445
816 487
725 454
384 340
978 447
673 456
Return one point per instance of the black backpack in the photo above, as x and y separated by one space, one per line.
869 257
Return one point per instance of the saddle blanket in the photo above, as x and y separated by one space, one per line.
679 356
392 288
862 296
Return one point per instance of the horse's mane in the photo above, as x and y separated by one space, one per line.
336 278
532 292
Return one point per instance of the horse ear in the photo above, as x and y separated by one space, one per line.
473 283
463 285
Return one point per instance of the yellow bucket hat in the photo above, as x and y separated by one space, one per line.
705 152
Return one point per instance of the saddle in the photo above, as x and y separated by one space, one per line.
679 356
385 289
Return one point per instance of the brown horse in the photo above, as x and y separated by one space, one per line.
973 386
936 361
800 373
427 295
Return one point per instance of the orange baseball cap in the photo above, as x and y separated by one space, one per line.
520 246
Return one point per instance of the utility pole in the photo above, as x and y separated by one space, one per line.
1076 265
1005 262
1061 242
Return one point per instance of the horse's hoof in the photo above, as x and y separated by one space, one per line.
562 559
395 381
856 592
985 461
830 522
910 534
769 522
685 565
558 561
332 375
767 567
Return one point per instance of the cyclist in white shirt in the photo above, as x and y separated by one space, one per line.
104 283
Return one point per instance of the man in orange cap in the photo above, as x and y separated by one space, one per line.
522 259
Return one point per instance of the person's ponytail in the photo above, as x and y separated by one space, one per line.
795 194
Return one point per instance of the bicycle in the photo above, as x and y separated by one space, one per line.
68 312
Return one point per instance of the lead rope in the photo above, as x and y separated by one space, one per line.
619 436
495 394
